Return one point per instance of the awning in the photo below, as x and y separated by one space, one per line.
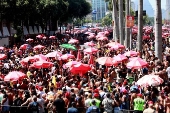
31 30
40 29
25 31
5 31
35 30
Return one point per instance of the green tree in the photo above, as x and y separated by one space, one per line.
107 20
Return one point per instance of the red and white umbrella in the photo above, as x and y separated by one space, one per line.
90 50
136 64
27 59
73 41
3 56
53 54
14 76
90 44
119 58
70 64
2 48
91 60
29 40
80 68
131 53
40 57
39 47
42 64
39 36
117 46
107 61
52 37
102 38
67 56
150 80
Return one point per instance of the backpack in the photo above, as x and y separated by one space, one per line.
94 110
34 106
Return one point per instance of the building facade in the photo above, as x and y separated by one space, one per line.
167 10
99 8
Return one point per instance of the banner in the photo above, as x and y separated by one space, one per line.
130 21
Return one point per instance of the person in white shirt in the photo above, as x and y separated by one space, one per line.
168 72
88 100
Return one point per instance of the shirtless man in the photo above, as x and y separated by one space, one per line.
167 104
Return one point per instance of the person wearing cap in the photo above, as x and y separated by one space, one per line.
93 108
150 109
97 101
139 104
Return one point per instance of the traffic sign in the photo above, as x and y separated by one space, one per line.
130 21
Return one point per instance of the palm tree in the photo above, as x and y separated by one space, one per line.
115 19
121 21
158 30
140 25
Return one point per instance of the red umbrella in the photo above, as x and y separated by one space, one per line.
90 50
91 60
89 44
131 53
119 58
70 64
39 36
42 64
14 76
24 46
80 68
135 58
146 37
52 37
3 56
40 57
39 47
115 63
29 39
105 61
72 41
67 56
2 48
91 36
136 64
29 58
117 46
53 54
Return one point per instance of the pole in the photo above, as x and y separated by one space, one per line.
127 30
140 25
121 21
130 27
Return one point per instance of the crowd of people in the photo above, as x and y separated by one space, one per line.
102 89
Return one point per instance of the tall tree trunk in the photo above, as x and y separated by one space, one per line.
158 30
127 30
115 19
121 21
140 25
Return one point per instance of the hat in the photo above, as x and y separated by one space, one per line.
96 95
150 102
139 95
96 91
124 91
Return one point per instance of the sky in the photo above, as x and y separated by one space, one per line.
152 2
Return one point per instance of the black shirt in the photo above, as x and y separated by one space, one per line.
60 105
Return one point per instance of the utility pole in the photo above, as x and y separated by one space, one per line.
127 30
121 34
140 26
158 30
115 20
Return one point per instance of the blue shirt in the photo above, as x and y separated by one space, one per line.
72 110
93 109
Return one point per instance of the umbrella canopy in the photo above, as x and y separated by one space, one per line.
29 39
68 46
80 68
90 44
119 58
117 46
40 57
27 59
90 50
3 56
39 36
53 54
42 64
78 56
39 47
2 48
136 64
131 53
107 61
73 41
70 64
102 38
52 37
91 60
67 56
24 46
14 76
150 80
